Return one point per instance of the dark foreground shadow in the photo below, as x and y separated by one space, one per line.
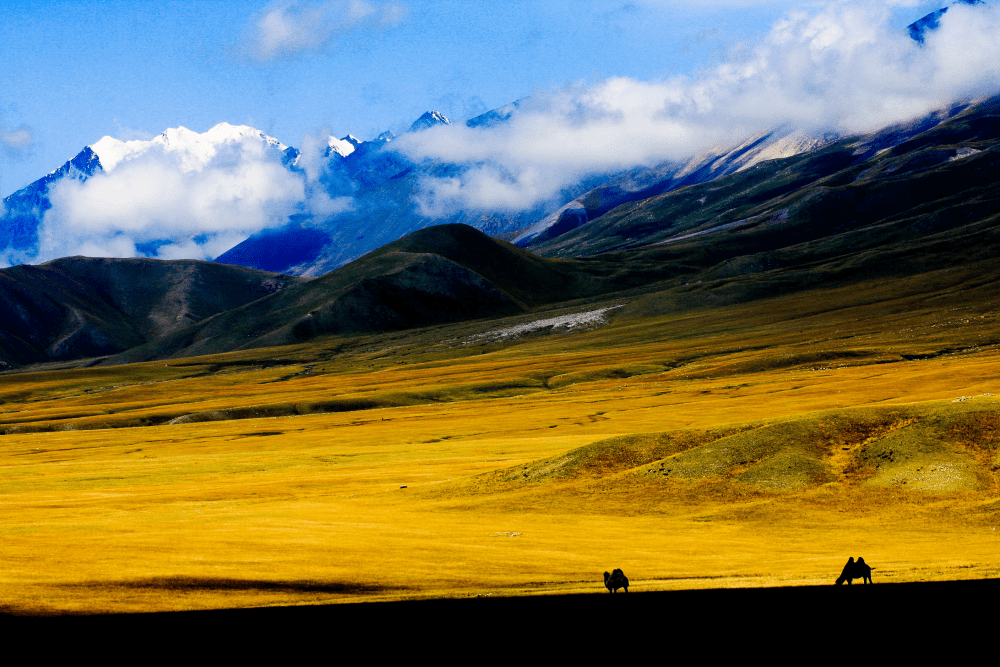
715 619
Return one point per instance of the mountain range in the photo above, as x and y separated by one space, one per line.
381 185
904 201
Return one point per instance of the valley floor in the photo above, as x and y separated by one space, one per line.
745 446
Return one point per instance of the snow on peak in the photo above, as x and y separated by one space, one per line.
194 150
111 151
224 132
342 147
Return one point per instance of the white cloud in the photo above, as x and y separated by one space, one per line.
845 67
311 155
207 248
324 206
290 28
16 141
200 208
314 162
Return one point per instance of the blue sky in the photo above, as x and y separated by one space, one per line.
73 72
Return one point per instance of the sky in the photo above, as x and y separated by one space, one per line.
608 85
73 72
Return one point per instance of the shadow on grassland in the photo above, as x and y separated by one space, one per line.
808 611
182 585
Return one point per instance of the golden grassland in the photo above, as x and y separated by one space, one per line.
750 445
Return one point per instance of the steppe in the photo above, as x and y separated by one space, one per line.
739 445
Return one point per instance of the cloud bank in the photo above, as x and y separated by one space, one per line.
290 29
170 203
845 68
315 164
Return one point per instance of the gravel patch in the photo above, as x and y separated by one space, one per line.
588 319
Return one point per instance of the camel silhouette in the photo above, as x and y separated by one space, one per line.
855 570
616 580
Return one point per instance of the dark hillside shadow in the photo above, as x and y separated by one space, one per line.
180 585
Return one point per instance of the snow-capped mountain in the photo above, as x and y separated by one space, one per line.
342 147
193 149
349 165
24 210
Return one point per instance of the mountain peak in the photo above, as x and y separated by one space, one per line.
919 28
111 151
429 119
342 147
196 149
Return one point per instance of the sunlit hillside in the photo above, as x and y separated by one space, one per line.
742 445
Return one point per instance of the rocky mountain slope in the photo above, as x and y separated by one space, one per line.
80 307
846 195
440 274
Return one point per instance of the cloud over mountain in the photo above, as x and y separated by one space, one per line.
314 162
844 68
288 29
183 194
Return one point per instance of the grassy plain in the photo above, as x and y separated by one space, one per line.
731 445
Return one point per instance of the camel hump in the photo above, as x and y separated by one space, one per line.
615 580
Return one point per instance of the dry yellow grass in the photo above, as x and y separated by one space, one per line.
105 506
